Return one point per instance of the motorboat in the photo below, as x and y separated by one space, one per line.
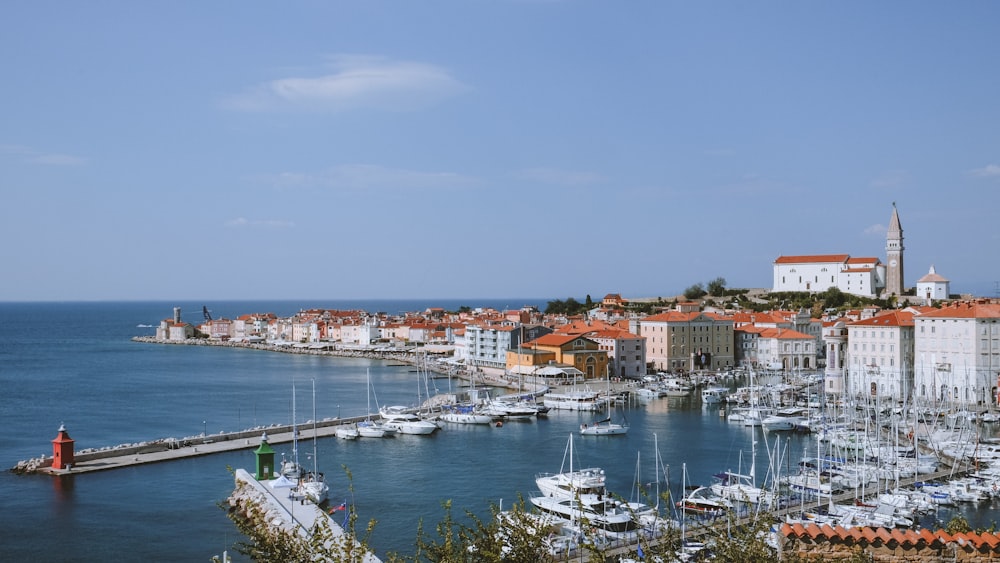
785 419
702 501
373 429
608 515
347 432
714 395
406 422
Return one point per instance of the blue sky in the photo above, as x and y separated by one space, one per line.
506 148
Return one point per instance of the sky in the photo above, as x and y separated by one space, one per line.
489 148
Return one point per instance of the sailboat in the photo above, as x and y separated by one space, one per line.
368 428
309 485
605 427
313 484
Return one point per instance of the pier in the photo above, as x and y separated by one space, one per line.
169 449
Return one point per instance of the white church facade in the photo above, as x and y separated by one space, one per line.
863 276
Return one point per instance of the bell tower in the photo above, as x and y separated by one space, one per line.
894 254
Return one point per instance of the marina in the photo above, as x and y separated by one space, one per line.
115 391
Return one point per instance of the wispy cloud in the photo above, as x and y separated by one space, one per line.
243 222
354 82
559 177
367 177
988 171
889 179
33 156
878 229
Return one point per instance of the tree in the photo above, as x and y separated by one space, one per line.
695 291
717 287
513 536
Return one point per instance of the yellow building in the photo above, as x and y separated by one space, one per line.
564 349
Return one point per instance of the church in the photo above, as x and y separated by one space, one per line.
863 276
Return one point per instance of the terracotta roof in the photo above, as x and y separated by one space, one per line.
555 339
965 310
977 540
892 318
784 334
818 258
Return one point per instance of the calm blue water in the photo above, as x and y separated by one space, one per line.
73 363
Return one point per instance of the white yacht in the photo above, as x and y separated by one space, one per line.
405 421
785 419
606 515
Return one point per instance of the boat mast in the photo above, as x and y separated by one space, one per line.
295 431
315 461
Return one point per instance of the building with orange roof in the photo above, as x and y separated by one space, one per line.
577 351
957 353
864 276
880 356
686 340
786 349
626 352
174 329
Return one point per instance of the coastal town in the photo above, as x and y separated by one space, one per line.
931 347
898 384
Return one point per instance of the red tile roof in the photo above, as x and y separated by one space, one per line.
817 258
924 536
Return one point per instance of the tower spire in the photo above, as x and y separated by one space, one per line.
894 281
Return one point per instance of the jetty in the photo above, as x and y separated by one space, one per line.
298 516
168 449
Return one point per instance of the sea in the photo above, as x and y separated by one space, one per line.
74 364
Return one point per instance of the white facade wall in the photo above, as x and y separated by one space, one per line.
626 356
835 343
816 277
936 290
859 282
957 360
880 361
487 346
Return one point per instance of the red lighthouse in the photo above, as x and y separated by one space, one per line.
62 450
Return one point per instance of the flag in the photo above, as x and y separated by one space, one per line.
347 516
640 553
341 506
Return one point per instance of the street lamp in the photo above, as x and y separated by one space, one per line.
204 431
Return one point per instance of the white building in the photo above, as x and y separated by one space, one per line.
488 345
957 353
933 287
818 273
880 356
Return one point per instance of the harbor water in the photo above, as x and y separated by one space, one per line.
74 364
